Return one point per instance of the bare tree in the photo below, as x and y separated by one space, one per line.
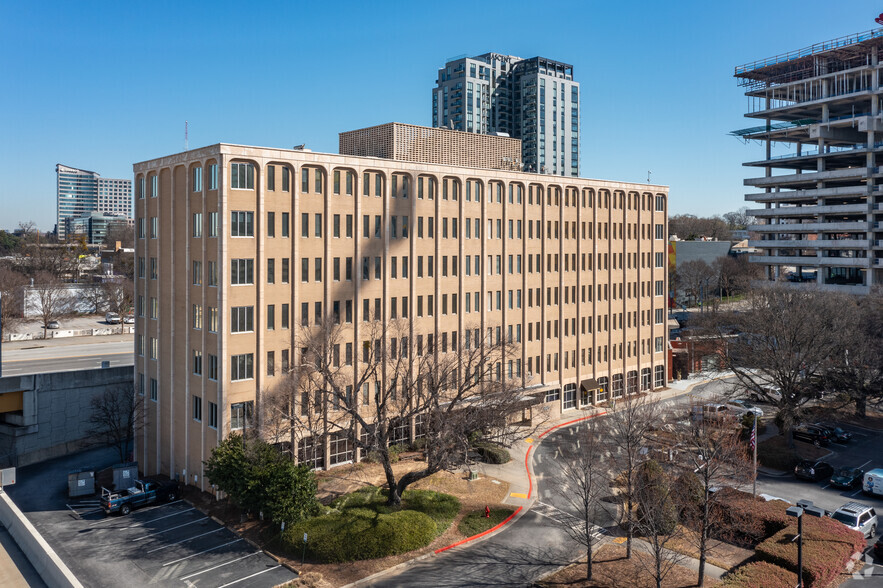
402 381
689 227
855 370
715 457
657 520
118 295
53 301
11 284
739 219
584 481
779 346
629 426
734 274
119 232
114 418
695 275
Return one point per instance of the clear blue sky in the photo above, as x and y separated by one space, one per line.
101 85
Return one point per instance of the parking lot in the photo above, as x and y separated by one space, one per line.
170 544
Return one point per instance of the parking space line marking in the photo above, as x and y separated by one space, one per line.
201 552
149 508
866 463
823 487
167 545
249 577
141 538
174 514
856 493
226 563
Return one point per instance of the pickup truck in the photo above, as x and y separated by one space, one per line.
140 494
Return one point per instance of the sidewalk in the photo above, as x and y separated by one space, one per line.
518 471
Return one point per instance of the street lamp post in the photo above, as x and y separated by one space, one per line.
796 511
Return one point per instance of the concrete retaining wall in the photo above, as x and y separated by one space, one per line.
55 412
61 333
44 559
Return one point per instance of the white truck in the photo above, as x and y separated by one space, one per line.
872 482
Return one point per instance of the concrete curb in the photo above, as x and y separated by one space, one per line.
46 562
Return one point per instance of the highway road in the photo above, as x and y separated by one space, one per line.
70 353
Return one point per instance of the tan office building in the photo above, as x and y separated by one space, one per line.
240 247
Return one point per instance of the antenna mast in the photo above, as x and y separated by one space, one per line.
186 147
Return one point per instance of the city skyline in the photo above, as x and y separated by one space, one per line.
103 86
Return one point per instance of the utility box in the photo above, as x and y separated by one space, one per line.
124 475
81 483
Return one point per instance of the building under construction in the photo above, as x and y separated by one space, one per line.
821 222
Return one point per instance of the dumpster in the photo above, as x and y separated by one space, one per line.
124 475
81 483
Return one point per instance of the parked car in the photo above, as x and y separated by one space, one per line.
745 406
818 436
813 470
836 433
713 411
52 325
858 517
141 493
129 319
847 477
112 318
765 393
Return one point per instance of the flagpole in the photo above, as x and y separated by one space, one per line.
754 446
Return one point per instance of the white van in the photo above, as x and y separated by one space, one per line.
872 482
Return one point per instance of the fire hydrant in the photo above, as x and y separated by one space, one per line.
487 512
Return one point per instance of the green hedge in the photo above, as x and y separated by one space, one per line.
475 522
760 574
361 526
828 546
747 521
492 453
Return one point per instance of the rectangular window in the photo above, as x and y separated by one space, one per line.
242 176
196 315
212 415
154 390
318 223
213 224
213 319
241 319
241 415
242 367
271 177
284 318
197 408
271 317
197 273
212 367
213 176
271 363
285 223
197 362
241 271
271 222
197 225
271 271
241 223
286 179
286 265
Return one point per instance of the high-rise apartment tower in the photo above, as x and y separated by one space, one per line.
80 192
535 100
820 222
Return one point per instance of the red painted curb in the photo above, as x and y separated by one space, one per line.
491 530
543 434
529 482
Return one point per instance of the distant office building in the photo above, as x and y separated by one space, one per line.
535 100
94 225
820 221
80 192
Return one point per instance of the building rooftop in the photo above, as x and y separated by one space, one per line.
794 64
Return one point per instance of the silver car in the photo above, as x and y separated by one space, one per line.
858 517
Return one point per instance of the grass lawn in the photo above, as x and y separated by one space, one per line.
360 526
475 522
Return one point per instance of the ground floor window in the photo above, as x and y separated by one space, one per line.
617 386
341 449
659 373
311 451
632 382
602 389
553 395
645 379
569 396
400 432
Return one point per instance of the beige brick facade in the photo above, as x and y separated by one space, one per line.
572 269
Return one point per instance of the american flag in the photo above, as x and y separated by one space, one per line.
752 441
